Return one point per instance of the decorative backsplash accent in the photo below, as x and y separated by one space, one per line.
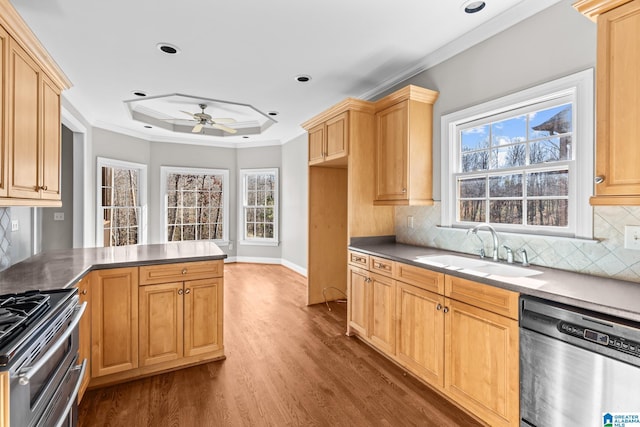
5 238
605 257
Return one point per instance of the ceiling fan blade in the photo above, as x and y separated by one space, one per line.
223 120
197 128
224 128
188 113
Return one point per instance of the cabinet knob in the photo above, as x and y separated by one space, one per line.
599 179
446 309
44 187
179 291
184 271
187 291
84 292
404 190
439 307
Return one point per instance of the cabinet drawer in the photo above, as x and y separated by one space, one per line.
381 266
425 279
358 259
164 273
496 300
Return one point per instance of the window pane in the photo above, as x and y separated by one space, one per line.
550 150
505 186
270 199
251 198
552 183
268 231
474 187
251 214
260 214
506 211
260 230
548 212
475 138
475 161
509 131
552 121
251 182
250 230
472 210
268 215
260 198
508 157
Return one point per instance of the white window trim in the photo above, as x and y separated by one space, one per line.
142 194
165 170
580 87
241 202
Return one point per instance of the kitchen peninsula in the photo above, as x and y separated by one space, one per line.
150 308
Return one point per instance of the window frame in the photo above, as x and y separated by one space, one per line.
242 204
164 202
142 196
579 89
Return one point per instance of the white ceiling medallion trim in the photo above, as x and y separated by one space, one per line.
508 18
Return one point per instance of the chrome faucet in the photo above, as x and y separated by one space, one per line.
496 245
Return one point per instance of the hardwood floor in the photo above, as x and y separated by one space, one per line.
287 365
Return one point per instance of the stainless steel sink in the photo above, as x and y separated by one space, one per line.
476 267
452 262
503 270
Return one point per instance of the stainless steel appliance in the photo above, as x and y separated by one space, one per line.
576 365
39 349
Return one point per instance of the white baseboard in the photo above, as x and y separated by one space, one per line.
262 260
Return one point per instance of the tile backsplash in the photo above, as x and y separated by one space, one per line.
604 256
5 238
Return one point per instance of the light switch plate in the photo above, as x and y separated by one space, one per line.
58 216
632 237
15 225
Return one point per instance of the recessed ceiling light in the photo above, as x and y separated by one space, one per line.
245 137
168 48
473 6
139 93
148 127
273 113
303 78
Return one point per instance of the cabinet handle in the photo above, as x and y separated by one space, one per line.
84 292
439 307
404 190
599 179
184 271
187 291
44 187
446 309
179 291
37 188
368 280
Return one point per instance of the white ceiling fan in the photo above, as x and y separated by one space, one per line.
203 119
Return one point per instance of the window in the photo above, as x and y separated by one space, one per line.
259 213
121 201
195 204
523 163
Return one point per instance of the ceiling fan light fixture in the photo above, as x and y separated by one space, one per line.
168 48
303 78
472 6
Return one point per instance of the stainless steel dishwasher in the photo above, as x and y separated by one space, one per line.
576 366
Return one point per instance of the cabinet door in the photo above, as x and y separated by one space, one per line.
481 351
391 152
337 129
420 333
84 347
24 141
618 109
161 323
358 301
382 332
51 156
316 144
114 321
203 315
4 67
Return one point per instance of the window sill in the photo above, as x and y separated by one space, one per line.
258 243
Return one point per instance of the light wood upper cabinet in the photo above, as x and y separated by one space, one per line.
114 321
617 107
329 141
316 144
30 135
84 346
404 149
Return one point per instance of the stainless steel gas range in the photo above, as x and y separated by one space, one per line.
39 355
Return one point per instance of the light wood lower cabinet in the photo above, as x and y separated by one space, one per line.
458 335
203 302
114 321
84 346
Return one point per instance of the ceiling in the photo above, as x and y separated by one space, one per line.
250 51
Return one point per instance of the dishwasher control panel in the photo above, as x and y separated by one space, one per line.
613 342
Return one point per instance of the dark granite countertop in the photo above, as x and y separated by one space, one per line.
63 268
610 296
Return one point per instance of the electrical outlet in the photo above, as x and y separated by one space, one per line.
58 216
15 225
410 221
632 237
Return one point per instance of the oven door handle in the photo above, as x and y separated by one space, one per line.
27 373
74 394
